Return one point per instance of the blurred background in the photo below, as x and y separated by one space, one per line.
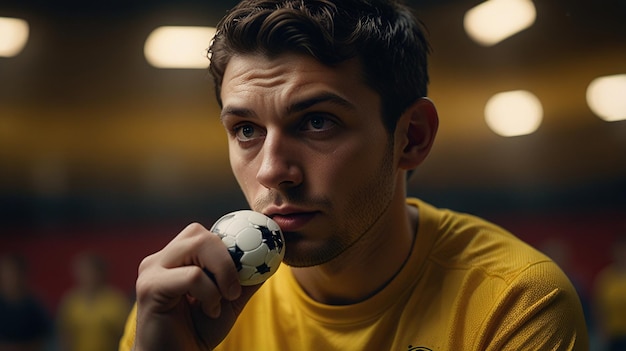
102 152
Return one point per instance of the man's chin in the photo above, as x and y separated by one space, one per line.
301 255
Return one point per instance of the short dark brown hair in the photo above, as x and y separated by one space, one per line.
384 35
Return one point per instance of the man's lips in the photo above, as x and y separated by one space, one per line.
292 222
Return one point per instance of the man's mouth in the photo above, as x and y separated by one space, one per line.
294 221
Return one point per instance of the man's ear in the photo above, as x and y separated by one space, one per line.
416 132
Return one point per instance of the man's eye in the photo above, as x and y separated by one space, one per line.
318 123
247 132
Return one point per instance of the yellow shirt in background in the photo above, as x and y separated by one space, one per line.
467 285
93 324
610 297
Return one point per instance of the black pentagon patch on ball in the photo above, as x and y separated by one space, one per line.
262 269
236 254
270 238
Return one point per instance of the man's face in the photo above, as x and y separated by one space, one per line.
308 148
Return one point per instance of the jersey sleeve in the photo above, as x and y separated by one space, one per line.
540 310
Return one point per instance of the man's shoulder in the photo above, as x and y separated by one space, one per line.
465 241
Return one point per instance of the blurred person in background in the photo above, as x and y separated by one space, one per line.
24 322
92 314
610 298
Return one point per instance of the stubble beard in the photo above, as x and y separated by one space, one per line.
366 207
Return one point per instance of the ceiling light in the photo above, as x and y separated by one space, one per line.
14 35
513 113
606 96
495 20
178 47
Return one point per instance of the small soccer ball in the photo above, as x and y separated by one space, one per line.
255 243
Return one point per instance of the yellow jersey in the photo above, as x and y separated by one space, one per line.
467 285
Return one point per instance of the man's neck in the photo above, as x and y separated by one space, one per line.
366 267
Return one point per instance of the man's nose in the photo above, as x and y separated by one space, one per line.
280 162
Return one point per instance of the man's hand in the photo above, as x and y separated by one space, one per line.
188 294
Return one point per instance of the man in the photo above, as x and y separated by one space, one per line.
25 324
324 106
92 313
609 297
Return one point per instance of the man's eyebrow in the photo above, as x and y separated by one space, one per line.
236 111
293 108
318 99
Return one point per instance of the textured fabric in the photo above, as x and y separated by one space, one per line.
467 285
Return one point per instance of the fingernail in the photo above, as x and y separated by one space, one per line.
216 311
234 291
